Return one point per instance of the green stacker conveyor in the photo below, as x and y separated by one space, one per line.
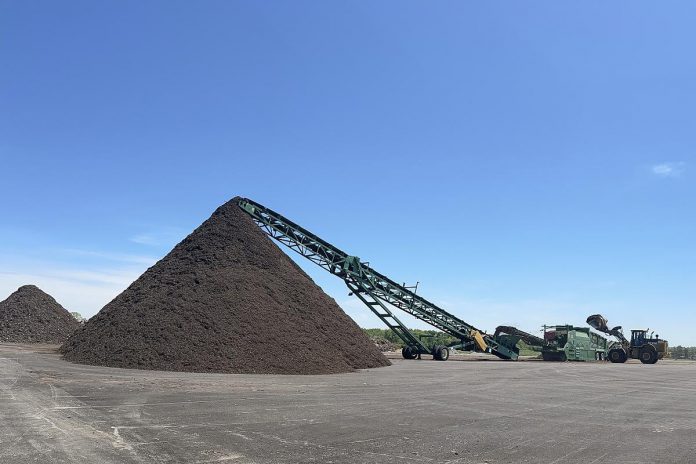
378 292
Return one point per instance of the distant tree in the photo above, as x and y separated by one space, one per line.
682 352
78 316
429 337
674 352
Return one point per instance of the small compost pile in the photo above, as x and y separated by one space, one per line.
30 315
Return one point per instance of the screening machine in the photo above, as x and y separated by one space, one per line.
569 343
378 292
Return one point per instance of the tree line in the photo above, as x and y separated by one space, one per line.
429 337
433 337
682 352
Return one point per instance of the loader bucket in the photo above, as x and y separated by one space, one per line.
599 322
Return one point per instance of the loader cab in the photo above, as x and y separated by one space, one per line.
638 337
641 337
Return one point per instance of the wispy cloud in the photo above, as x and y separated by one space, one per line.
117 257
84 283
83 291
99 277
145 239
668 169
167 237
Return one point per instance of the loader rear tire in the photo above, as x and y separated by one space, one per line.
648 354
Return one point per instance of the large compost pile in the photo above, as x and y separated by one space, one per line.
225 299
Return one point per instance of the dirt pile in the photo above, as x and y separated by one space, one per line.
384 345
30 315
225 299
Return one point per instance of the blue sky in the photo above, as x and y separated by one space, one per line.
527 162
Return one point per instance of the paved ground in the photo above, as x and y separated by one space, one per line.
415 411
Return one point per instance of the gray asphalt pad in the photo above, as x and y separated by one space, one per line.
471 409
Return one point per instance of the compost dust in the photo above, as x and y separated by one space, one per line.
30 315
225 299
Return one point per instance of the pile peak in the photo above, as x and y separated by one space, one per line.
31 290
30 315
30 287
225 299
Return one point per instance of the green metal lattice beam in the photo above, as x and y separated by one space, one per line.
373 288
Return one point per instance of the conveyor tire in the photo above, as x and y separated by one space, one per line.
436 352
443 353
408 352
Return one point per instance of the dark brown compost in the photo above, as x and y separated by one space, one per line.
30 315
225 299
